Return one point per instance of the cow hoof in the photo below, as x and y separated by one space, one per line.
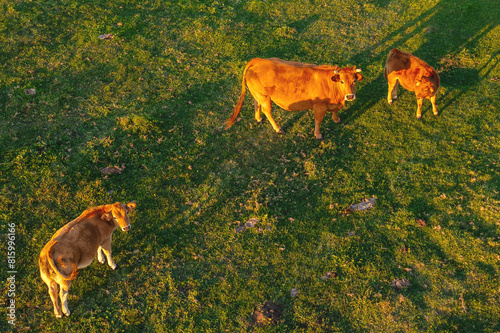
436 114
419 117
281 131
390 102
115 268
319 138
338 121
58 315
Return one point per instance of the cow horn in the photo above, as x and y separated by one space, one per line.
358 70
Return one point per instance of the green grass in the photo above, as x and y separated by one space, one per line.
154 99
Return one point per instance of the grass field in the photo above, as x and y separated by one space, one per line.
152 101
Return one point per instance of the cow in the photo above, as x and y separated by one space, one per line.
414 74
75 245
296 86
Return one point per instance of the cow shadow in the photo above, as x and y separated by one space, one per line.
441 43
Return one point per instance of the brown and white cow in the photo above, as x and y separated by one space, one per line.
75 245
295 86
414 74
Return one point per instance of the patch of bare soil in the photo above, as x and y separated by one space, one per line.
267 314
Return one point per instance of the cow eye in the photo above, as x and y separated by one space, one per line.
342 82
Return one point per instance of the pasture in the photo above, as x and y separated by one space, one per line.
149 103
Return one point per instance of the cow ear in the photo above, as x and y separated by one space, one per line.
107 216
131 206
359 77
336 78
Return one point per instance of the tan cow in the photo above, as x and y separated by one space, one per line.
414 75
75 245
295 86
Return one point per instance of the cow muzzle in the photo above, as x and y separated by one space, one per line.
127 228
350 97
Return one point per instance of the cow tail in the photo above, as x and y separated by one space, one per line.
74 273
230 121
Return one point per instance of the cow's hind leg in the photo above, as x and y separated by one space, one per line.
266 107
64 297
258 115
52 285
53 296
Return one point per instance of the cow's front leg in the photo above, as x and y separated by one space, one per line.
319 114
392 90
335 116
106 248
419 108
434 108
100 256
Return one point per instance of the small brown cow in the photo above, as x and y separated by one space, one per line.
75 245
414 75
295 86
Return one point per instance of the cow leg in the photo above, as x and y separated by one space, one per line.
266 107
53 296
434 108
106 248
395 91
335 116
419 108
392 81
319 114
64 297
52 285
258 116
100 256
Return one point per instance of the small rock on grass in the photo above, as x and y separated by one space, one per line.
329 275
112 170
106 36
363 205
399 284
248 224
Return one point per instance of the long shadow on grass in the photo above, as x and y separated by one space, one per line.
448 30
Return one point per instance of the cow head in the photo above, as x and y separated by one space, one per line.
119 214
424 88
346 79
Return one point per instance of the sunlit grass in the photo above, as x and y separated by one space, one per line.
153 100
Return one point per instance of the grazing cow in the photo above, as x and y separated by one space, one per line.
75 246
414 75
295 86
